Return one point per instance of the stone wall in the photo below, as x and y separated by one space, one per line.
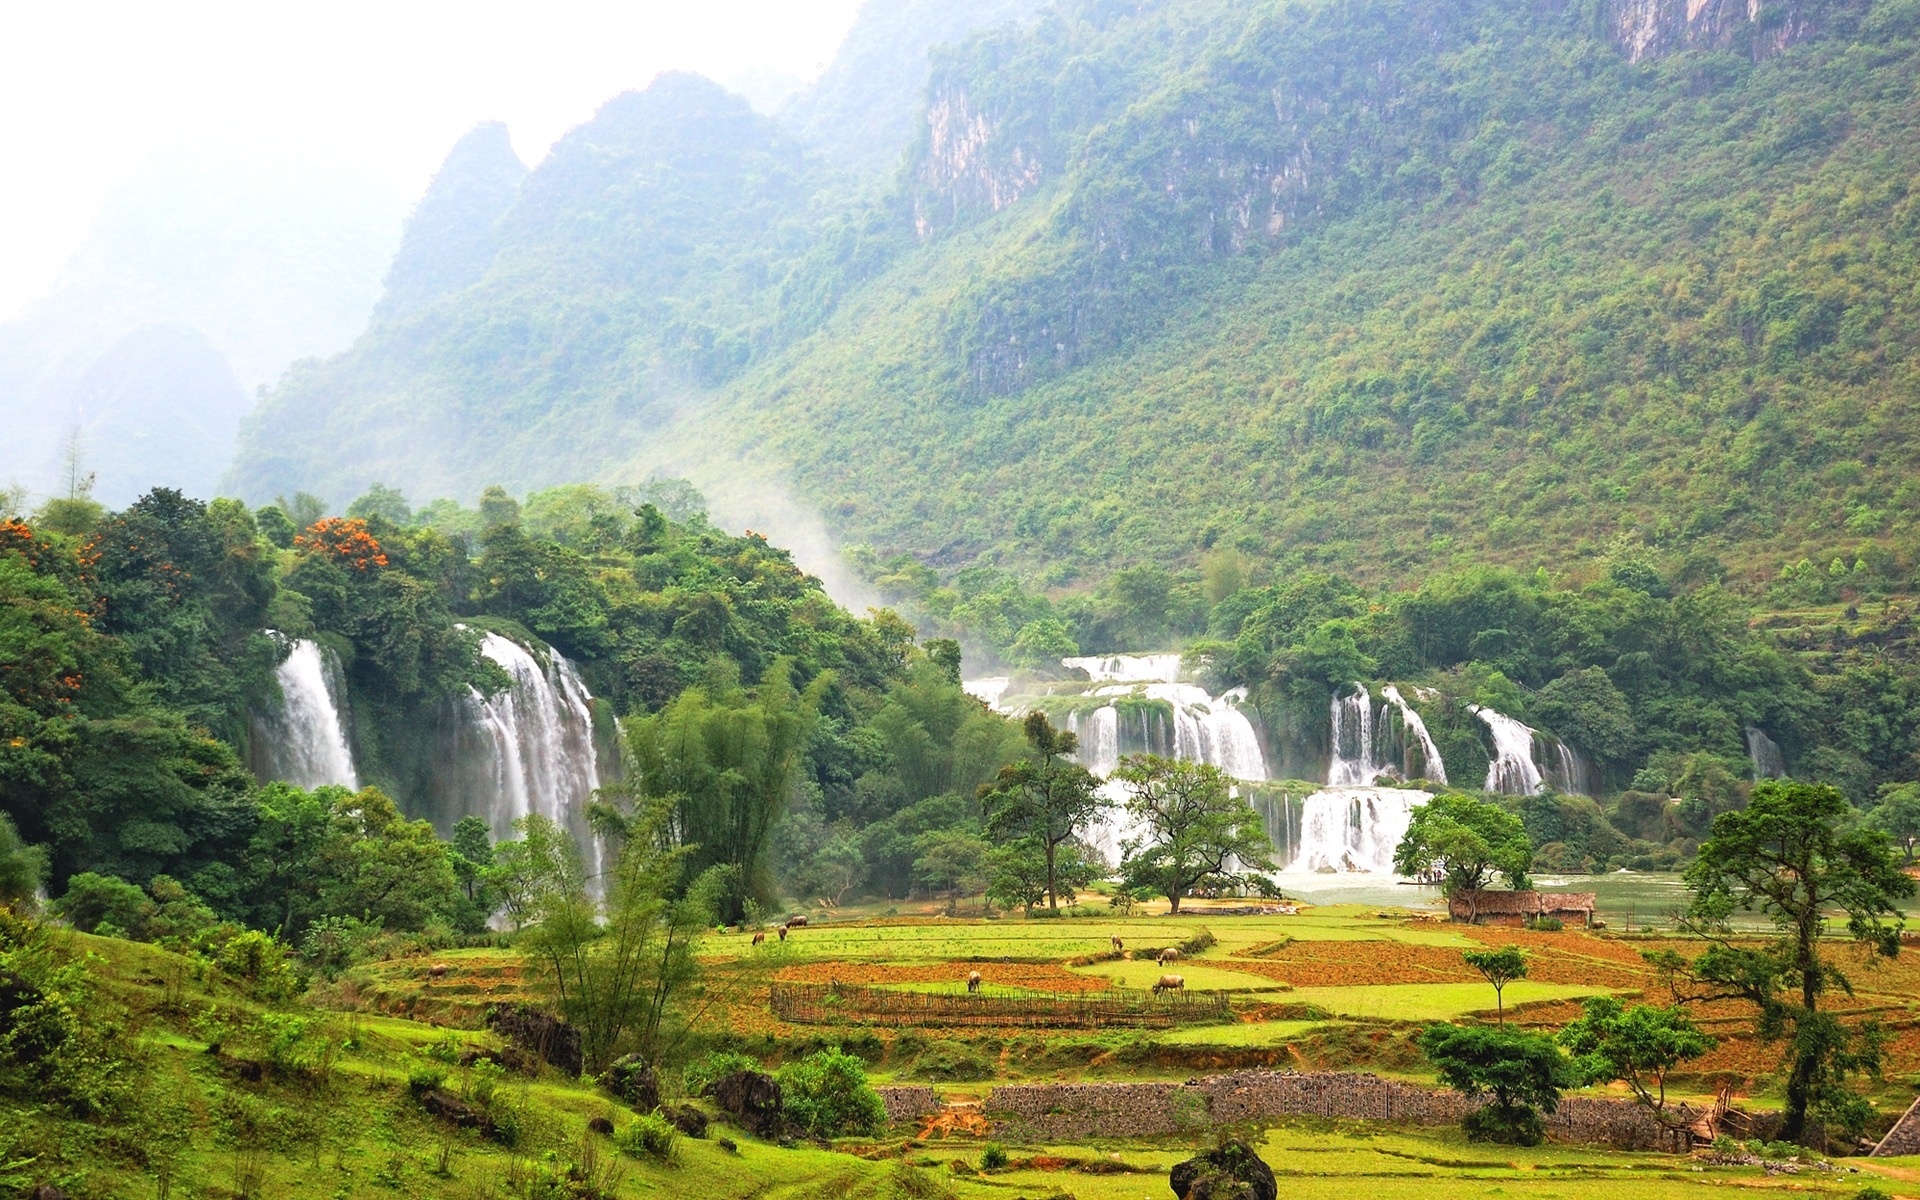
1071 1111
908 1103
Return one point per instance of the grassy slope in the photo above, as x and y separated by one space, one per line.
354 1131
1611 335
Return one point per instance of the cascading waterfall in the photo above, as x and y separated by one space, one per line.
989 690
1764 753
1512 771
1203 728
1352 763
1352 829
1431 765
535 744
303 741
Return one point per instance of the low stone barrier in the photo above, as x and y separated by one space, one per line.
1072 1111
908 1103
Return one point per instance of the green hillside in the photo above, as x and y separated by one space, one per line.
1388 286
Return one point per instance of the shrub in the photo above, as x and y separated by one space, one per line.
954 1061
426 1077
94 901
700 1074
651 1135
826 1096
993 1157
253 959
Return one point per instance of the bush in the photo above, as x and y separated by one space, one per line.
1507 1125
993 1157
252 959
426 1077
826 1096
700 1074
953 1061
92 902
651 1135
1546 924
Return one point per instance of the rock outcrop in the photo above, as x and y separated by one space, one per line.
752 1099
1230 1171
1645 29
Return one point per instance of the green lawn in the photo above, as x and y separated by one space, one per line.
1429 1001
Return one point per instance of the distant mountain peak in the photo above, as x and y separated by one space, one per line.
450 240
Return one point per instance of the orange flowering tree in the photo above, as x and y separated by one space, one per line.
346 540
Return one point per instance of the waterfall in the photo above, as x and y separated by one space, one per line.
535 743
989 690
1352 829
1431 767
1352 761
1127 668
1764 753
1512 771
303 741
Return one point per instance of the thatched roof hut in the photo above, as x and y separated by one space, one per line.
1484 907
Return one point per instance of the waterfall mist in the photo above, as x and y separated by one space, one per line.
303 740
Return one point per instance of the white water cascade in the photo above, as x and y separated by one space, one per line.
1410 721
1764 753
1512 771
303 741
988 690
1352 829
1351 761
536 747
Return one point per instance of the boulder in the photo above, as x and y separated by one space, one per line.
457 1112
687 1119
537 1033
601 1125
752 1099
1230 1171
631 1078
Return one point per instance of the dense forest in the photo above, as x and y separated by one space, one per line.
1375 288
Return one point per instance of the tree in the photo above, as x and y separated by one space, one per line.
1898 813
1793 855
1046 798
1467 842
1195 829
617 970
1500 967
1524 1073
21 867
827 1096
1637 1046
951 860
1018 873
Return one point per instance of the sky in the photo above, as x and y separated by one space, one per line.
91 89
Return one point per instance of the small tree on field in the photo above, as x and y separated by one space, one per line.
1898 813
1500 967
1524 1074
951 860
1195 829
1637 1046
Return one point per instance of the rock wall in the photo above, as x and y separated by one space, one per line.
1646 29
1067 1112
908 1103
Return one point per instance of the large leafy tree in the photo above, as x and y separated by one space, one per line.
1467 842
1194 829
1046 799
1794 855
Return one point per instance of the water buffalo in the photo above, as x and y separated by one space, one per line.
1170 983
783 933
797 922
437 971
1117 947
973 981
1170 954
759 937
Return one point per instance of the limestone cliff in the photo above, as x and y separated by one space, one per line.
1645 29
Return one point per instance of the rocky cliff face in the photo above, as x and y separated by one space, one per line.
968 167
1645 29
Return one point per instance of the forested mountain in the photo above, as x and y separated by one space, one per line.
1380 284
198 283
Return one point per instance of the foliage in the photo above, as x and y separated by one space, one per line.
1045 799
1500 967
1195 831
1792 856
648 1134
716 1064
1524 1073
21 867
826 1095
1466 842
1638 1046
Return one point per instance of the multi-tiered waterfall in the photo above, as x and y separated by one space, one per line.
1764 753
1525 762
528 748
303 739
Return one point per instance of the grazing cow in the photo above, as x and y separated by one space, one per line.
797 922
759 937
1170 954
973 981
1170 983
783 933
437 971
1117 947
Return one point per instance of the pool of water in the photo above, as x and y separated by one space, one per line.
1625 900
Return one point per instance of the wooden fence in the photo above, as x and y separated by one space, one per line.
846 1004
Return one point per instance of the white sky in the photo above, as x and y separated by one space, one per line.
91 88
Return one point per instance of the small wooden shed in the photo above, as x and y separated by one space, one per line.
1483 907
